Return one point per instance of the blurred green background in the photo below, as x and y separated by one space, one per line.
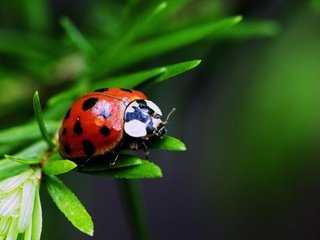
249 115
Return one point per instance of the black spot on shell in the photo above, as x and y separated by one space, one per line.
89 103
101 90
88 147
137 115
141 102
67 149
126 90
64 131
105 131
67 115
144 106
77 129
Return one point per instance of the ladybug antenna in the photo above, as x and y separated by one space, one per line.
169 114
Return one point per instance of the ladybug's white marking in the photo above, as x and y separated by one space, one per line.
154 107
132 106
103 108
142 118
135 128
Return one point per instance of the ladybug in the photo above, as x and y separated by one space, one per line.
108 120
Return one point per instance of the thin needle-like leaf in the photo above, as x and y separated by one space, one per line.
37 15
34 151
171 41
28 46
155 75
135 80
9 168
76 37
39 117
250 29
25 132
21 160
120 44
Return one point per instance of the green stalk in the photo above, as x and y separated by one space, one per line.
134 209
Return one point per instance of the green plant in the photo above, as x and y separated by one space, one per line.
31 156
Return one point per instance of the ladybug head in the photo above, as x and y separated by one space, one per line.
142 119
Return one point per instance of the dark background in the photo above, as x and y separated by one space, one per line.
249 115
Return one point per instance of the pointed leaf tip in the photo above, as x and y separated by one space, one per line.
39 117
196 62
161 6
69 205
59 167
238 18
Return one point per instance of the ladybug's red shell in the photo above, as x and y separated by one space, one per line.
93 125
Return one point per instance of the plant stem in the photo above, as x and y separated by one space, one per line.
134 209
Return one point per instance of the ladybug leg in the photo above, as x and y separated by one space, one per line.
84 163
117 153
134 146
145 149
114 160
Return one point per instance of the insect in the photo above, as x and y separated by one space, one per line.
109 119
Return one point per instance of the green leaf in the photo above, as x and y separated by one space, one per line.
21 160
155 75
176 69
71 93
164 20
34 151
55 156
123 160
69 205
57 111
315 4
168 143
144 170
58 167
250 29
25 132
9 148
37 15
39 117
9 168
29 46
131 80
126 160
27 233
76 37
59 102
170 42
36 218
119 45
